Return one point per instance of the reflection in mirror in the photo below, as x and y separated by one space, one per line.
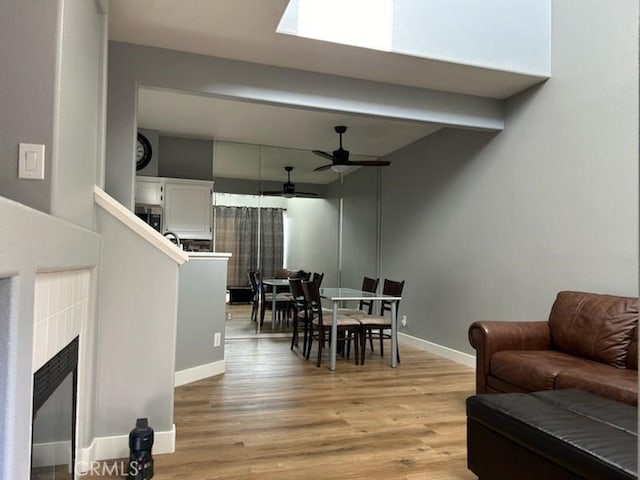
272 232
360 226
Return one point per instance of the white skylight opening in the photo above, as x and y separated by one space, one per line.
359 23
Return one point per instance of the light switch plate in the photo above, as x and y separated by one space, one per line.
31 161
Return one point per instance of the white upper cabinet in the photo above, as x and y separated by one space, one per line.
150 190
188 208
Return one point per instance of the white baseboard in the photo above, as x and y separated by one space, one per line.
198 373
441 351
51 453
107 448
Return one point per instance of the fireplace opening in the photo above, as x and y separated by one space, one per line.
53 438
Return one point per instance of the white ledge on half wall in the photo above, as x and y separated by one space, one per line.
128 218
210 255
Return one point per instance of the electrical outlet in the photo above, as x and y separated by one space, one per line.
403 322
216 339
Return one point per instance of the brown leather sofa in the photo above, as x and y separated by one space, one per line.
590 342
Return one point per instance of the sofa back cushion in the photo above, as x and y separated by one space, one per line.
632 356
592 326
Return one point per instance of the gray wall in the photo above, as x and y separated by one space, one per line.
42 102
23 253
79 113
360 226
27 91
201 312
61 109
313 236
186 158
136 343
485 227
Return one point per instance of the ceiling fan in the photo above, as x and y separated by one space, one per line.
340 158
288 189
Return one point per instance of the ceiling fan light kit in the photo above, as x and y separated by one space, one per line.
288 189
340 157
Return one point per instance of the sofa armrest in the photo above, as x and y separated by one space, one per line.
489 337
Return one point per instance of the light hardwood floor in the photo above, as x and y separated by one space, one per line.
239 324
274 415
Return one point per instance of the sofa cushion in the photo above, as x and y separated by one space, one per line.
562 434
620 384
534 369
592 326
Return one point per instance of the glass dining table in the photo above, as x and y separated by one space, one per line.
337 295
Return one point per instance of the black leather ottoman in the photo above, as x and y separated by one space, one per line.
556 434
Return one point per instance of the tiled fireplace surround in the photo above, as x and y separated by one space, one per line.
61 307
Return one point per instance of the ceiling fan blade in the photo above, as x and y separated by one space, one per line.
370 163
326 155
305 194
324 167
271 193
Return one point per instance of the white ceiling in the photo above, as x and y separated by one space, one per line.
245 30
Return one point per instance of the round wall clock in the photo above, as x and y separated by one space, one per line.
143 152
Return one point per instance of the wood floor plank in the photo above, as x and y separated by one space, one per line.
274 415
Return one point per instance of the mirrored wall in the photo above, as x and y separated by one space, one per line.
326 222
274 211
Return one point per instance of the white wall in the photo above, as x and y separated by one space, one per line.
486 226
495 34
498 34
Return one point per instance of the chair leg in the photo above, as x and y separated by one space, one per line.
262 310
381 343
363 344
305 338
320 345
254 311
310 339
294 335
356 341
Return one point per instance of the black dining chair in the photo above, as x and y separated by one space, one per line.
365 306
374 326
300 313
266 302
254 281
348 327
317 277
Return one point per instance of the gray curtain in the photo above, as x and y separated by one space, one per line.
271 241
237 230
